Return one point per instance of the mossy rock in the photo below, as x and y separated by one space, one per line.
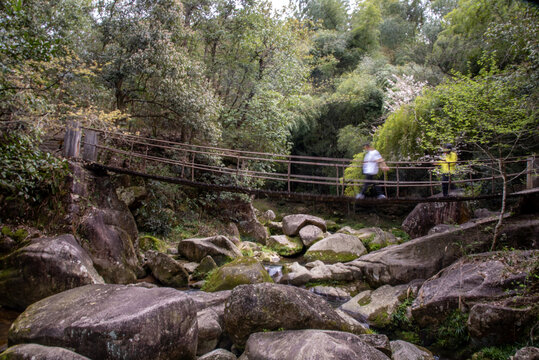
148 242
17 235
241 271
329 256
285 245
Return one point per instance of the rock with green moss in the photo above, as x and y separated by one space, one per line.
113 322
373 238
206 265
263 307
238 272
166 270
285 245
148 242
378 305
45 267
132 195
219 247
36 351
336 248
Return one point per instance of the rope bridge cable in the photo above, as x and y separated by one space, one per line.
122 153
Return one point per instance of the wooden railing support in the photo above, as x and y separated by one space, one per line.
90 149
72 140
530 173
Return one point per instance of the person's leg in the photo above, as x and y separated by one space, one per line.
445 184
368 182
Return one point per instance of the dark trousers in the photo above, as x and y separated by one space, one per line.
446 184
368 182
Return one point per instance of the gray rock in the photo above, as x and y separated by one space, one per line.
441 228
113 322
166 270
205 300
427 215
254 308
292 224
39 352
310 234
132 195
377 341
471 280
109 238
527 353
285 245
206 265
403 350
374 237
219 247
331 292
218 354
376 306
308 345
493 324
210 328
484 213
423 257
275 227
45 267
336 248
296 275
240 271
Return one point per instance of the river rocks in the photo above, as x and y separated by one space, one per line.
238 272
219 247
402 350
39 352
254 308
109 237
218 354
166 270
298 275
374 238
45 267
310 234
285 245
427 215
292 224
336 248
493 324
113 322
307 345
376 306
527 353
210 328
423 257
478 278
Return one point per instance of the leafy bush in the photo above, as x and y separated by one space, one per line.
27 173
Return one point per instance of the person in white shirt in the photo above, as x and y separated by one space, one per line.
371 163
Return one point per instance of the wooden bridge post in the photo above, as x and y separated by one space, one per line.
288 177
72 140
89 149
337 178
530 173
193 167
398 180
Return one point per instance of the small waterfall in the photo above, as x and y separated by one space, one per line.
275 271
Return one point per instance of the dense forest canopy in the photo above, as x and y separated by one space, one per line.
318 78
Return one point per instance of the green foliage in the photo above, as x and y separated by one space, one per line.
400 234
453 333
17 235
495 353
156 213
28 174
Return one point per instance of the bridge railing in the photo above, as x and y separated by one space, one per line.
248 168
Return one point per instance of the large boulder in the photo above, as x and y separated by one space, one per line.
292 224
376 306
166 270
39 352
243 214
218 354
285 245
299 275
475 279
374 238
423 257
45 267
402 350
219 247
307 345
112 322
107 228
427 215
210 328
492 324
336 248
240 271
262 307
527 353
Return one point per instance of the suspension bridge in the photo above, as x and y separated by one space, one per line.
280 175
